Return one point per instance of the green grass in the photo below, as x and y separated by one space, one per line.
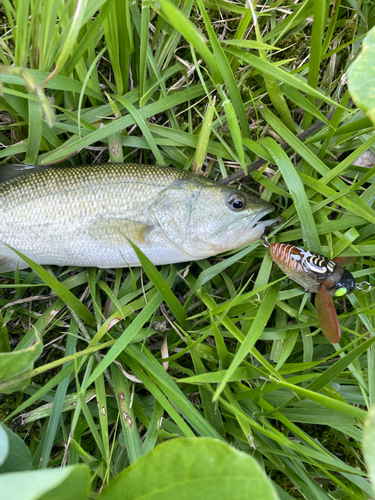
231 350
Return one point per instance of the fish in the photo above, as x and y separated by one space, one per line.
89 215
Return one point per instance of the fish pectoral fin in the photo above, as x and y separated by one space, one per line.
116 231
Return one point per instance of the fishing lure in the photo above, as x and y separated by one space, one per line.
316 273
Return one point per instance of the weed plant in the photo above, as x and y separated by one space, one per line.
230 348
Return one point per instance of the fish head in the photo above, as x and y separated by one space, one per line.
204 218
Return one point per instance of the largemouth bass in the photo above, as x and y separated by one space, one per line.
85 216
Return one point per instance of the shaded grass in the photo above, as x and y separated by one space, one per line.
254 343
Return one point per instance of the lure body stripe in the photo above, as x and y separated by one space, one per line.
306 268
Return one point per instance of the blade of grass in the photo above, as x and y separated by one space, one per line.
103 418
260 321
176 396
60 290
58 400
201 150
143 50
67 47
127 417
127 336
226 73
192 34
320 18
296 189
325 400
35 131
162 286
279 74
37 371
234 130
126 121
271 84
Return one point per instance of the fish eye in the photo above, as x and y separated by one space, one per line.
236 202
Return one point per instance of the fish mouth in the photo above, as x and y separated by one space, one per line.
267 222
257 224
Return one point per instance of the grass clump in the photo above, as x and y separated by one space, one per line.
225 353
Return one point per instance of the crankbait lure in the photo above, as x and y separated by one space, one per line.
316 273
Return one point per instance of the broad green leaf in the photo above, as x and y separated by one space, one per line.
361 77
192 468
369 444
59 483
4 445
18 362
14 454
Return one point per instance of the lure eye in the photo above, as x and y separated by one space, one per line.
236 202
341 291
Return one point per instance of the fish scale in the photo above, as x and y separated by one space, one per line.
55 180
86 215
